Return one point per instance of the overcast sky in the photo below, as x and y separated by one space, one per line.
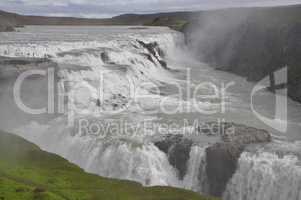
108 8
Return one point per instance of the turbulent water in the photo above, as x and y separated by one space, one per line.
97 71
267 174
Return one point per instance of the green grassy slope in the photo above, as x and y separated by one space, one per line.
27 173
176 24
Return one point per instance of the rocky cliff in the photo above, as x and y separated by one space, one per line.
177 148
221 157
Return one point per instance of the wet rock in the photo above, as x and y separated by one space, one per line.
149 46
98 103
222 157
148 57
161 52
177 147
105 57
163 64
155 51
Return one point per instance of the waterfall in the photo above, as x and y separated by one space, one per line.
141 58
195 179
112 71
138 58
266 176
135 160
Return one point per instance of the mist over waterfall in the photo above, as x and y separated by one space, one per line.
97 70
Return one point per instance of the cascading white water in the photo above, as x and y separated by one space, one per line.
195 179
117 52
266 175
114 158
135 160
119 58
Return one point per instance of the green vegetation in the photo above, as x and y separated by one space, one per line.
176 24
27 173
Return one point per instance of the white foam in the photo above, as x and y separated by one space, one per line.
130 160
266 176
196 178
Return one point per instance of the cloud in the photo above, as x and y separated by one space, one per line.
99 8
